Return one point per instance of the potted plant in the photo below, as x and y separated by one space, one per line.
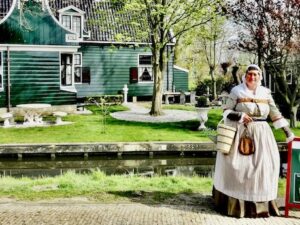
202 107
202 101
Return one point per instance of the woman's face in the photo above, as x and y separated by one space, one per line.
252 78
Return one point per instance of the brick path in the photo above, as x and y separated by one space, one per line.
20 213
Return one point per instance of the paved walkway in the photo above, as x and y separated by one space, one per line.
70 213
141 114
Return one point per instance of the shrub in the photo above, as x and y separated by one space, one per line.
202 101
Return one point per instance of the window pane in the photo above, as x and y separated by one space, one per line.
145 59
77 59
66 69
66 21
145 74
86 75
78 75
77 25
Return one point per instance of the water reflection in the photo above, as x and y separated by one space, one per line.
192 164
131 165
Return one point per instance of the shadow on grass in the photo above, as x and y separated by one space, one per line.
199 201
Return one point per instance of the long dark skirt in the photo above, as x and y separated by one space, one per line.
239 208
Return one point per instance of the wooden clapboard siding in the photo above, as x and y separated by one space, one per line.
181 80
35 78
38 27
109 69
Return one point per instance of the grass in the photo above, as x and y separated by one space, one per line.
88 128
96 186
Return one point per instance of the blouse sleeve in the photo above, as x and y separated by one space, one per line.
230 104
278 120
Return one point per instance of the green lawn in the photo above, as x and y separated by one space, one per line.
96 186
89 128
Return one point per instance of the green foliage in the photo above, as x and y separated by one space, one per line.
223 84
107 99
202 101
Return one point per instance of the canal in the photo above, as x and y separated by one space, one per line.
142 164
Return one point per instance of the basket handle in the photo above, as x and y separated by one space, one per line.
222 120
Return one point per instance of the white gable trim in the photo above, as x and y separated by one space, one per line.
71 7
12 8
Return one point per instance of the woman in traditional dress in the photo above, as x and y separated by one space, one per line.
246 185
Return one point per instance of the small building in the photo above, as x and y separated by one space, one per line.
55 52
180 79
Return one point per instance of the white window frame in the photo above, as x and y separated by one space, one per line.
76 12
1 71
78 66
69 88
143 66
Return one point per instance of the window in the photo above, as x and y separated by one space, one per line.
72 18
66 74
78 68
72 23
86 75
77 25
1 71
66 21
145 68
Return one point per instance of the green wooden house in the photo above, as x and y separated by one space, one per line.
50 52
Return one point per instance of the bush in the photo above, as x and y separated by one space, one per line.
108 99
223 84
202 101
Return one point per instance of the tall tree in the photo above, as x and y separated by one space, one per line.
210 40
271 30
163 21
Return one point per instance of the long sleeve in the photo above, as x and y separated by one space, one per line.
230 105
278 120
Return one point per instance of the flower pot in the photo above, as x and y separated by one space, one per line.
202 112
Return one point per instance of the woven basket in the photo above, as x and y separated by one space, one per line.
225 137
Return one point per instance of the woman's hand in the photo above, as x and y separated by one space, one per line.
247 119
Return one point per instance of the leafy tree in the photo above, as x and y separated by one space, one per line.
270 29
209 40
163 21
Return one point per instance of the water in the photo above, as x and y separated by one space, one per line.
171 164
142 165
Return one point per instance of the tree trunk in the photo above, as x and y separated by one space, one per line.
158 69
156 108
293 116
235 75
214 83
